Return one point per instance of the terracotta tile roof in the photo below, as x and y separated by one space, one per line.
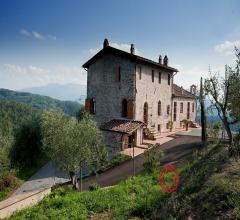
133 57
122 126
180 92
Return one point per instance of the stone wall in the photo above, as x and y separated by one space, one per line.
152 92
182 116
106 90
113 142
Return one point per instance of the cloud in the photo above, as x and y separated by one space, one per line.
124 47
189 75
36 35
52 37
24 32
227 48
19 77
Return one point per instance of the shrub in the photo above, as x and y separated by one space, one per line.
8 181
114 161
153 157
94 187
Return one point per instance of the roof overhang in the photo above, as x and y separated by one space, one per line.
122 126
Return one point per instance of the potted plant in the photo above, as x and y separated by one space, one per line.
170 125
186 123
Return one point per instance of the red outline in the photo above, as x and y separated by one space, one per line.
176 182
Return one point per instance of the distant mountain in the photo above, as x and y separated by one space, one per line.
70 92
39 102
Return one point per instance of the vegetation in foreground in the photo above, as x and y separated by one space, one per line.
141 197
21 152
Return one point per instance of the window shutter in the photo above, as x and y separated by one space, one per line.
88 105
130 109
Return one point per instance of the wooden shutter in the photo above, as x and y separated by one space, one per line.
88 105
130 109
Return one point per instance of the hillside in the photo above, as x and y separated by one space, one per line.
71 92
13 114
39 102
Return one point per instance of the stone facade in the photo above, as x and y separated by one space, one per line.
151 93
114 76
181 115
104 87
113 141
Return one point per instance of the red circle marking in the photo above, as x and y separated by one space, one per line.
176 179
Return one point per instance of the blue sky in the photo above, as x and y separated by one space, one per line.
44 42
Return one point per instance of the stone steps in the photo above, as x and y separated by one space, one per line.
156 134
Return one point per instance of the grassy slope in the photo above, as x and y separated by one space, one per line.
141 196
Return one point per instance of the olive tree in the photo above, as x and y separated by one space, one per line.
225 95
70 144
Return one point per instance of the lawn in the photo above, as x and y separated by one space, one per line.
139 197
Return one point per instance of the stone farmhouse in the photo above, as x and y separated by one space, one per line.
132 98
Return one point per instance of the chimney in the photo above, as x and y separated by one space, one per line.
105 43
193 89
165 60
132 50
160 59
181 89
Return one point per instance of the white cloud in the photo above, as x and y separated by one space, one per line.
24 32
124 47
227 48
36 35
189 75
18 77
52 37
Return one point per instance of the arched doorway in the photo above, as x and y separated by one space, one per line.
145 113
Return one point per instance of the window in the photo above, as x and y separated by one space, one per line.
188 110
159 108
181 107
193 107
159 128
174 111
168 109
152 75
145 113
90 106
124 108
139 70
169 79
159 77
118 75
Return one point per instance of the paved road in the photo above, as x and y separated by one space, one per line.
45 178
175 150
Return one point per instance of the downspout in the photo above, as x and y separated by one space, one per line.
174 73
135 90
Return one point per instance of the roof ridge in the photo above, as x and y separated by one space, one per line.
137 57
